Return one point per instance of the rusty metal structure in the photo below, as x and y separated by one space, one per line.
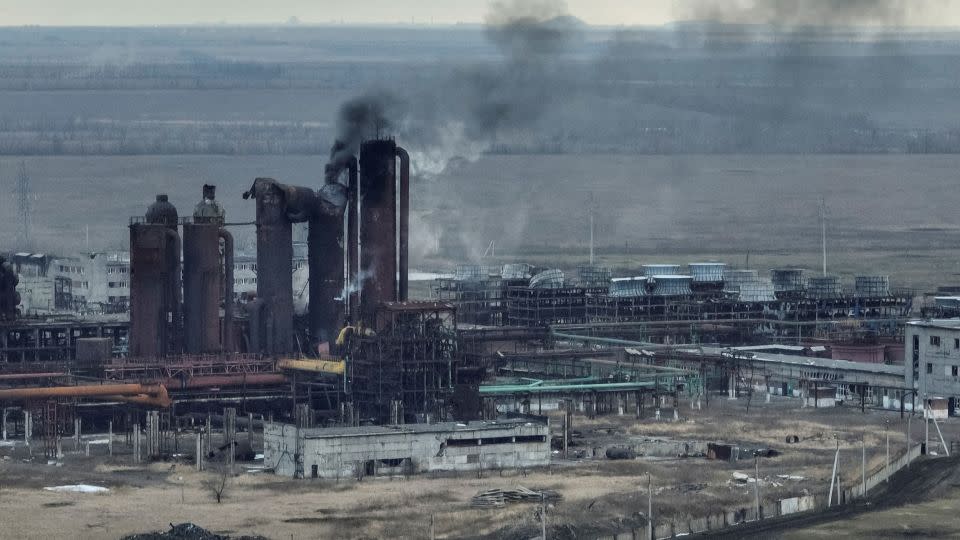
207 279
410 360
155 288
382 207
9 297
327 248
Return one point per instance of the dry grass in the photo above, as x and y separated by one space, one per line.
597 494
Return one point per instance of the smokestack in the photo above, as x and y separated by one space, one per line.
378 226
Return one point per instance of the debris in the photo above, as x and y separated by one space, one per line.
77 488
790 477
497 498
620 453
187 531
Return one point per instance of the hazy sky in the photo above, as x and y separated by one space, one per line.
607 12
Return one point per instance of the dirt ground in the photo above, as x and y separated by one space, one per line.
599 495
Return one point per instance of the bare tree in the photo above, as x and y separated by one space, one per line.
218 484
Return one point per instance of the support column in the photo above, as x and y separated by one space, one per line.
76 433
199 455
208 437
27 427
4 423
110 438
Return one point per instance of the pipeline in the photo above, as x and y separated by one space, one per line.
226 340
44 392
404 232
226 381
331 366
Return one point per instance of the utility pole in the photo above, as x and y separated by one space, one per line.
863 462
823 232
886 468
649 507
756 484
543 515
833 476
591 227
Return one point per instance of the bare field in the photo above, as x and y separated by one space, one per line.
599 495
887 214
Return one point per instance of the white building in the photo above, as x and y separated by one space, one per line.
933 360
374 450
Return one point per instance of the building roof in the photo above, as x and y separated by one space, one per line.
441 427
946 324
812 361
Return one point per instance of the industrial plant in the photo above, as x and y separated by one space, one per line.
492 369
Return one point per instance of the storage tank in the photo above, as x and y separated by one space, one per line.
516 271
548 279
474 272
650 270
155 312
872 286
787 280
671 285
707 272
592 276
733 279
824 288
748 286
628 287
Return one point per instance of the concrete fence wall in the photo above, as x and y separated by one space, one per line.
769 509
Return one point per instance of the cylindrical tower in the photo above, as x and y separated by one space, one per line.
203 276
377 279
155 282
274 266
202 286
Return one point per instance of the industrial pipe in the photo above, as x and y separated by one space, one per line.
158 402
351 288
176 293
226 340
83 391
234 380
404 232
335 367
21 376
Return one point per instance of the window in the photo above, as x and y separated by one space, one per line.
956 343
929 367
953 371
935 341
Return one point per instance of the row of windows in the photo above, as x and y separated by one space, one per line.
71 269
935 342
245 266
80 284
117 270
245 281
948 371
117 284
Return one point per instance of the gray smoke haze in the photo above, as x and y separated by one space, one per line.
462 114
789 13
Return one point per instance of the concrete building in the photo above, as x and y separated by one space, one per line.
933 360
405 449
